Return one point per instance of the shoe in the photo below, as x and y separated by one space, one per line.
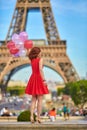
38 120
32 120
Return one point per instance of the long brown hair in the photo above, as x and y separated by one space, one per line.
34 53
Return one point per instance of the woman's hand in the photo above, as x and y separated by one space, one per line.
44 82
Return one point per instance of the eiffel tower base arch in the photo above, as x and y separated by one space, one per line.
54 56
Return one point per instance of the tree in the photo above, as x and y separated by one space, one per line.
59 91
78 91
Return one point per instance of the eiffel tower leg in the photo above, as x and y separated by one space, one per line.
68 72
3 72
2 87
18 22
50 25
9 68
57 59
65 69
6 82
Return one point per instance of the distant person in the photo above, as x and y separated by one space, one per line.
64 111
81 111
37 85
5 112
68 112
52 114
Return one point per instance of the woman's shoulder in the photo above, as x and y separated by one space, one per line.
41 59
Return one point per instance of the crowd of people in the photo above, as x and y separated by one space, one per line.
66 112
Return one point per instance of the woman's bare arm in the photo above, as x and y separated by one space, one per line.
41 72
41 68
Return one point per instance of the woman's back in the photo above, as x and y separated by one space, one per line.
35 65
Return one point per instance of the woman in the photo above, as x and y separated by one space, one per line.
36 86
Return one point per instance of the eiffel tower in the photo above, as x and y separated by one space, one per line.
54 53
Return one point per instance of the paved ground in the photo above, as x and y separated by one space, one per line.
60 121
46 125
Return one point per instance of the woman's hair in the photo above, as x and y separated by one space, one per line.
53 109
34 53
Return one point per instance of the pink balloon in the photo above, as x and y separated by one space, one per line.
10 45
23 36
28 44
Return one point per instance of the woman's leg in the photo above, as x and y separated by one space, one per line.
33 103
39 106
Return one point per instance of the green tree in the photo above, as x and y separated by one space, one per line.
78 91
59 91
16 90
67 88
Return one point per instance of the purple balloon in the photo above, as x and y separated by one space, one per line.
20 45
23 36
22 53
16 38
16 55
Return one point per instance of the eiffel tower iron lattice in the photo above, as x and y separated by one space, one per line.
54 52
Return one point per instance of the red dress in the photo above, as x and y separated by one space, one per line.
35 84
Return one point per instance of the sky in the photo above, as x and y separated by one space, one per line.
71 20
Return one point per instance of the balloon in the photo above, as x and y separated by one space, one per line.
22 52
20 45
10 45
14 50
16 55
23 36
28 44
16 38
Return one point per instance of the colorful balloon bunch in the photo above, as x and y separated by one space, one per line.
19 44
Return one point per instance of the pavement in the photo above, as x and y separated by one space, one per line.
73 120
60 124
